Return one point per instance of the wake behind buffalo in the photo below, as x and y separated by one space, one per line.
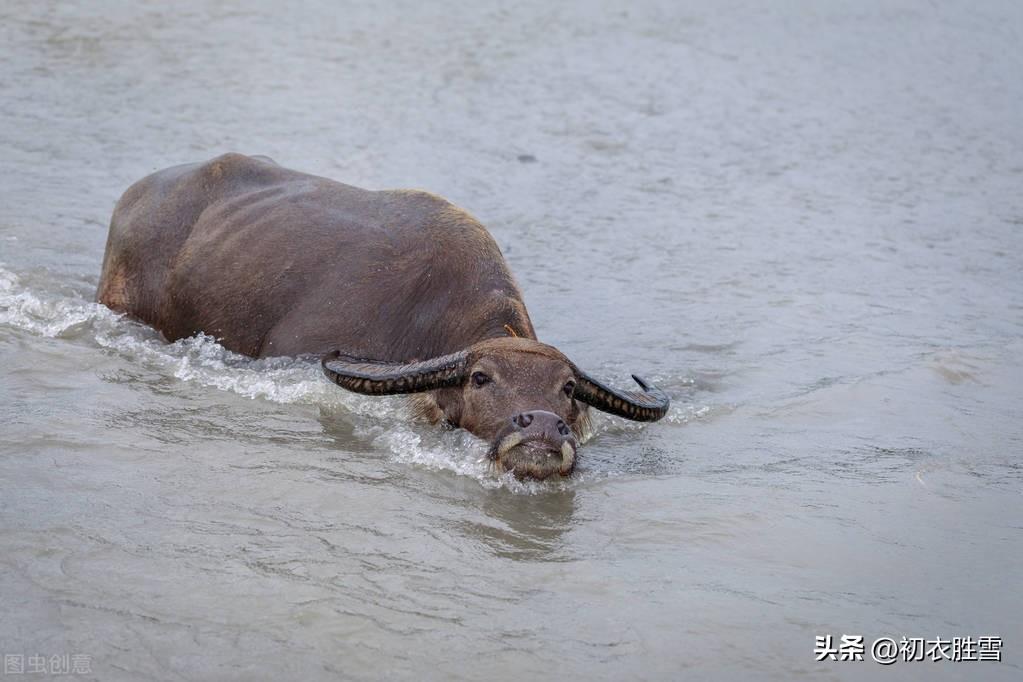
399 291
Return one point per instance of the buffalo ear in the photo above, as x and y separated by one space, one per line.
647 406
376 377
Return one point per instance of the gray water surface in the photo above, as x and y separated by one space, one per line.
802 220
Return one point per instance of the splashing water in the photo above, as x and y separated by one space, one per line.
202 361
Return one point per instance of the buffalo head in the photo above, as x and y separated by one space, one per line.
524 397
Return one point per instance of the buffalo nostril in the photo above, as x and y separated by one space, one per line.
522 420
562 428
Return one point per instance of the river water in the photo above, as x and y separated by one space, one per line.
803 220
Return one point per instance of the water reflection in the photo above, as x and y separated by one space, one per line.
524 527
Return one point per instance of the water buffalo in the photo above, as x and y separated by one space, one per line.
399 291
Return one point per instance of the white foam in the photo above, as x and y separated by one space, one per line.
200 359
50 317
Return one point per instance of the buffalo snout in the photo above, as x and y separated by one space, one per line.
535 444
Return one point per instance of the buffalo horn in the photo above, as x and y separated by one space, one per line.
375 377
648 406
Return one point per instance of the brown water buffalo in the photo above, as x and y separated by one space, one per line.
399 292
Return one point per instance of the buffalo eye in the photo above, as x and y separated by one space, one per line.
569 388
480 379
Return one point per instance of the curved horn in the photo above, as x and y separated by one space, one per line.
375 377
648 406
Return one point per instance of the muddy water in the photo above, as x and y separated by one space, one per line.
801 220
